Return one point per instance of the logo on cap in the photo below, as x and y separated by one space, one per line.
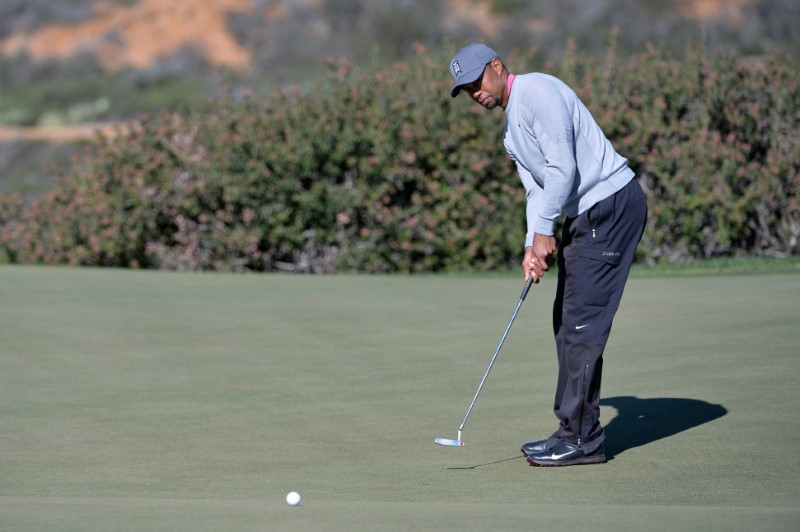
456 68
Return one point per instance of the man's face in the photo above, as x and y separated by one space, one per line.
487 89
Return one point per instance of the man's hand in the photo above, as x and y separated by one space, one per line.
537 256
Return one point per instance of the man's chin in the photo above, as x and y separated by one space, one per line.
491 105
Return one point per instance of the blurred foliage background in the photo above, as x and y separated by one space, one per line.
701 96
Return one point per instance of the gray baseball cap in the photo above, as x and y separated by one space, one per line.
468 64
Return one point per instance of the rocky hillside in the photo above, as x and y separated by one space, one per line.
260 35
70 63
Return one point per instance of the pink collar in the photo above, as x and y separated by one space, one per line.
510 82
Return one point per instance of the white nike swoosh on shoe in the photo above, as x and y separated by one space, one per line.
557 456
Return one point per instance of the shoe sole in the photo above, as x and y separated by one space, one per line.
586 460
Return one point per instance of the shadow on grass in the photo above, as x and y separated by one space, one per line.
519 457
642 421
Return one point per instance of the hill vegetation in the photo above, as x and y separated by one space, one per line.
315 135
378 170
85 60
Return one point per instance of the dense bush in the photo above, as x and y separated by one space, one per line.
368 171
379 170
713 140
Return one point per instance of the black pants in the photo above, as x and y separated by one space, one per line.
594 259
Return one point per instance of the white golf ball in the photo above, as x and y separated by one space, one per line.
293 498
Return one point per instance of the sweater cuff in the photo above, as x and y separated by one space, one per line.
543 227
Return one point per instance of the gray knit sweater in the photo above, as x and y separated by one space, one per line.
564 160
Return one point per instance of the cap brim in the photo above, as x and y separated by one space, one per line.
468 77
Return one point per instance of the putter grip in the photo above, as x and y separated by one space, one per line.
528 285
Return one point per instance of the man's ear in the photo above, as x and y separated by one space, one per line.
497 65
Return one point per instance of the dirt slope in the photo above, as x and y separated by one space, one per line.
141 33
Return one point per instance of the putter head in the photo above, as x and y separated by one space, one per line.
449 443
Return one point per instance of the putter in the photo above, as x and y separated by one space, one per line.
459 442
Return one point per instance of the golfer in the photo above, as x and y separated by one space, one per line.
567 166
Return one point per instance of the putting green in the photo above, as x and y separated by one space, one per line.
162 400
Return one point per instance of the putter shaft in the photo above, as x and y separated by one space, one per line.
496 351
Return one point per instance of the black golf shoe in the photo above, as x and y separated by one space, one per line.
564 454
534 447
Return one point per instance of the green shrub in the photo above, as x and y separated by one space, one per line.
379 170
714 142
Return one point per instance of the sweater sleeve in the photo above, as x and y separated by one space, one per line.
557 142
533 200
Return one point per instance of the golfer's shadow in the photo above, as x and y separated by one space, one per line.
517 457
642 421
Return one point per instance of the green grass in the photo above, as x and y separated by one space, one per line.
740 265
154 400
27 173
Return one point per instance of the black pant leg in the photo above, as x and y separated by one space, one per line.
595 255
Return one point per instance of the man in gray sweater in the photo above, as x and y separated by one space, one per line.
567 166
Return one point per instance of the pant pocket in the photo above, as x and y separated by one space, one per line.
596 276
